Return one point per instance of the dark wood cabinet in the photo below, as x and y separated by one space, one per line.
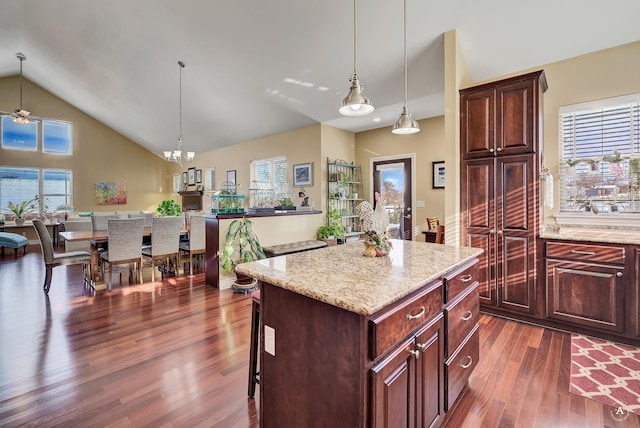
500 129
501 118
407 386
586 285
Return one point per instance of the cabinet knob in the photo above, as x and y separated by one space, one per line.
467 365
467 316
407 216
499 232
619 274
422 346
415 353
491 150
499 149
418 315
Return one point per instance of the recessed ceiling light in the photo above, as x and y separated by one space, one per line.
323 88
376 119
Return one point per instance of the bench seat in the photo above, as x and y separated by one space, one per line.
13 240
292 247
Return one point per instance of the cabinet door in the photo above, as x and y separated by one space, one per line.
516 117
477 121
587 294
394 382
430 374
516 225
478 219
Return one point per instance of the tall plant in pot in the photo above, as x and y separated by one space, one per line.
20 210
241 245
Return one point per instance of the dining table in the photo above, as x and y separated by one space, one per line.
96 237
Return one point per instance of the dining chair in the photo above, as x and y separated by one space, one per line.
72 226
195 245
51 259
125 246
165 242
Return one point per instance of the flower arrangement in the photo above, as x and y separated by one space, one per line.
376 245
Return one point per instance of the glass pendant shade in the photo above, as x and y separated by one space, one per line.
405 125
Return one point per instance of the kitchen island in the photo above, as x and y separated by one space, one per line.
353 341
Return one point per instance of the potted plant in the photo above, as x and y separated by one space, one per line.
588 206
570 170
169 208
332 230
21 210
241 245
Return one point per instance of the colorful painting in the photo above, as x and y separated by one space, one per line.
108 193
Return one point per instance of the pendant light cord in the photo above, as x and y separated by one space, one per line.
355 37
181 64
21 58
405 51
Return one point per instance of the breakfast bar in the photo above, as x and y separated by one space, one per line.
348 340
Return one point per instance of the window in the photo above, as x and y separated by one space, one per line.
19 137
272 171
56 136
600 156
53 186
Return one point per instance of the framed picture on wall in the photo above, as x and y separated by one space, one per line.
438 174
302 174
198 176
185 179
231 177
191 176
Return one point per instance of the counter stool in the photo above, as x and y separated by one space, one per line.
254 375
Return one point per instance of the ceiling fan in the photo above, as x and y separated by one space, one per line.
20 115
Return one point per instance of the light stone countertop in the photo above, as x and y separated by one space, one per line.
611 236
341 276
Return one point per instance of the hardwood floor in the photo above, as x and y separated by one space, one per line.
174 353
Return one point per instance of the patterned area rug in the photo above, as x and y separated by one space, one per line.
605 371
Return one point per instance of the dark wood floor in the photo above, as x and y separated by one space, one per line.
174 353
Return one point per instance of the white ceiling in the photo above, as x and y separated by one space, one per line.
257 68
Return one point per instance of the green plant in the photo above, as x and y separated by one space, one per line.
241 239
168 208
333 227
21 209
286 202
573 162
587 206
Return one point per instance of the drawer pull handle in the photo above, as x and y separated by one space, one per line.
416 354
583 253
418 315
466 278
422 346
467 316
467 365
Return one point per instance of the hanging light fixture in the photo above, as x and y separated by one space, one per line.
405 125
356 102
176 155
21 116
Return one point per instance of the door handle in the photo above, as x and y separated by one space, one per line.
407 216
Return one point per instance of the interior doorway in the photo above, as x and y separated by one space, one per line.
393 179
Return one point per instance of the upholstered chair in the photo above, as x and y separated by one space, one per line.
195 245
51 259
125 246
165 240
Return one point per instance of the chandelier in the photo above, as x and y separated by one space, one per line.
177 154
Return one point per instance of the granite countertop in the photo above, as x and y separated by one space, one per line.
341 276
611 236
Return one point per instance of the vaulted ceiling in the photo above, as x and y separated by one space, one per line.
257 68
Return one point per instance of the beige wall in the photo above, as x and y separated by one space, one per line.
428 146
99 153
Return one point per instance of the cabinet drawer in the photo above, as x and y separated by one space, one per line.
591 253
461 316
459 366
391 325
456 281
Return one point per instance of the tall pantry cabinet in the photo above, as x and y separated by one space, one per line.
501 142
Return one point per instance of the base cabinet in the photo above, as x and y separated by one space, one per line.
586 285
407 386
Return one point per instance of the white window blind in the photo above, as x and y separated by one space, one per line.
603 141
24 184
272 171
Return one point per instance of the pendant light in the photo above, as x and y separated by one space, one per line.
405 125
20 115
356 102
176 155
